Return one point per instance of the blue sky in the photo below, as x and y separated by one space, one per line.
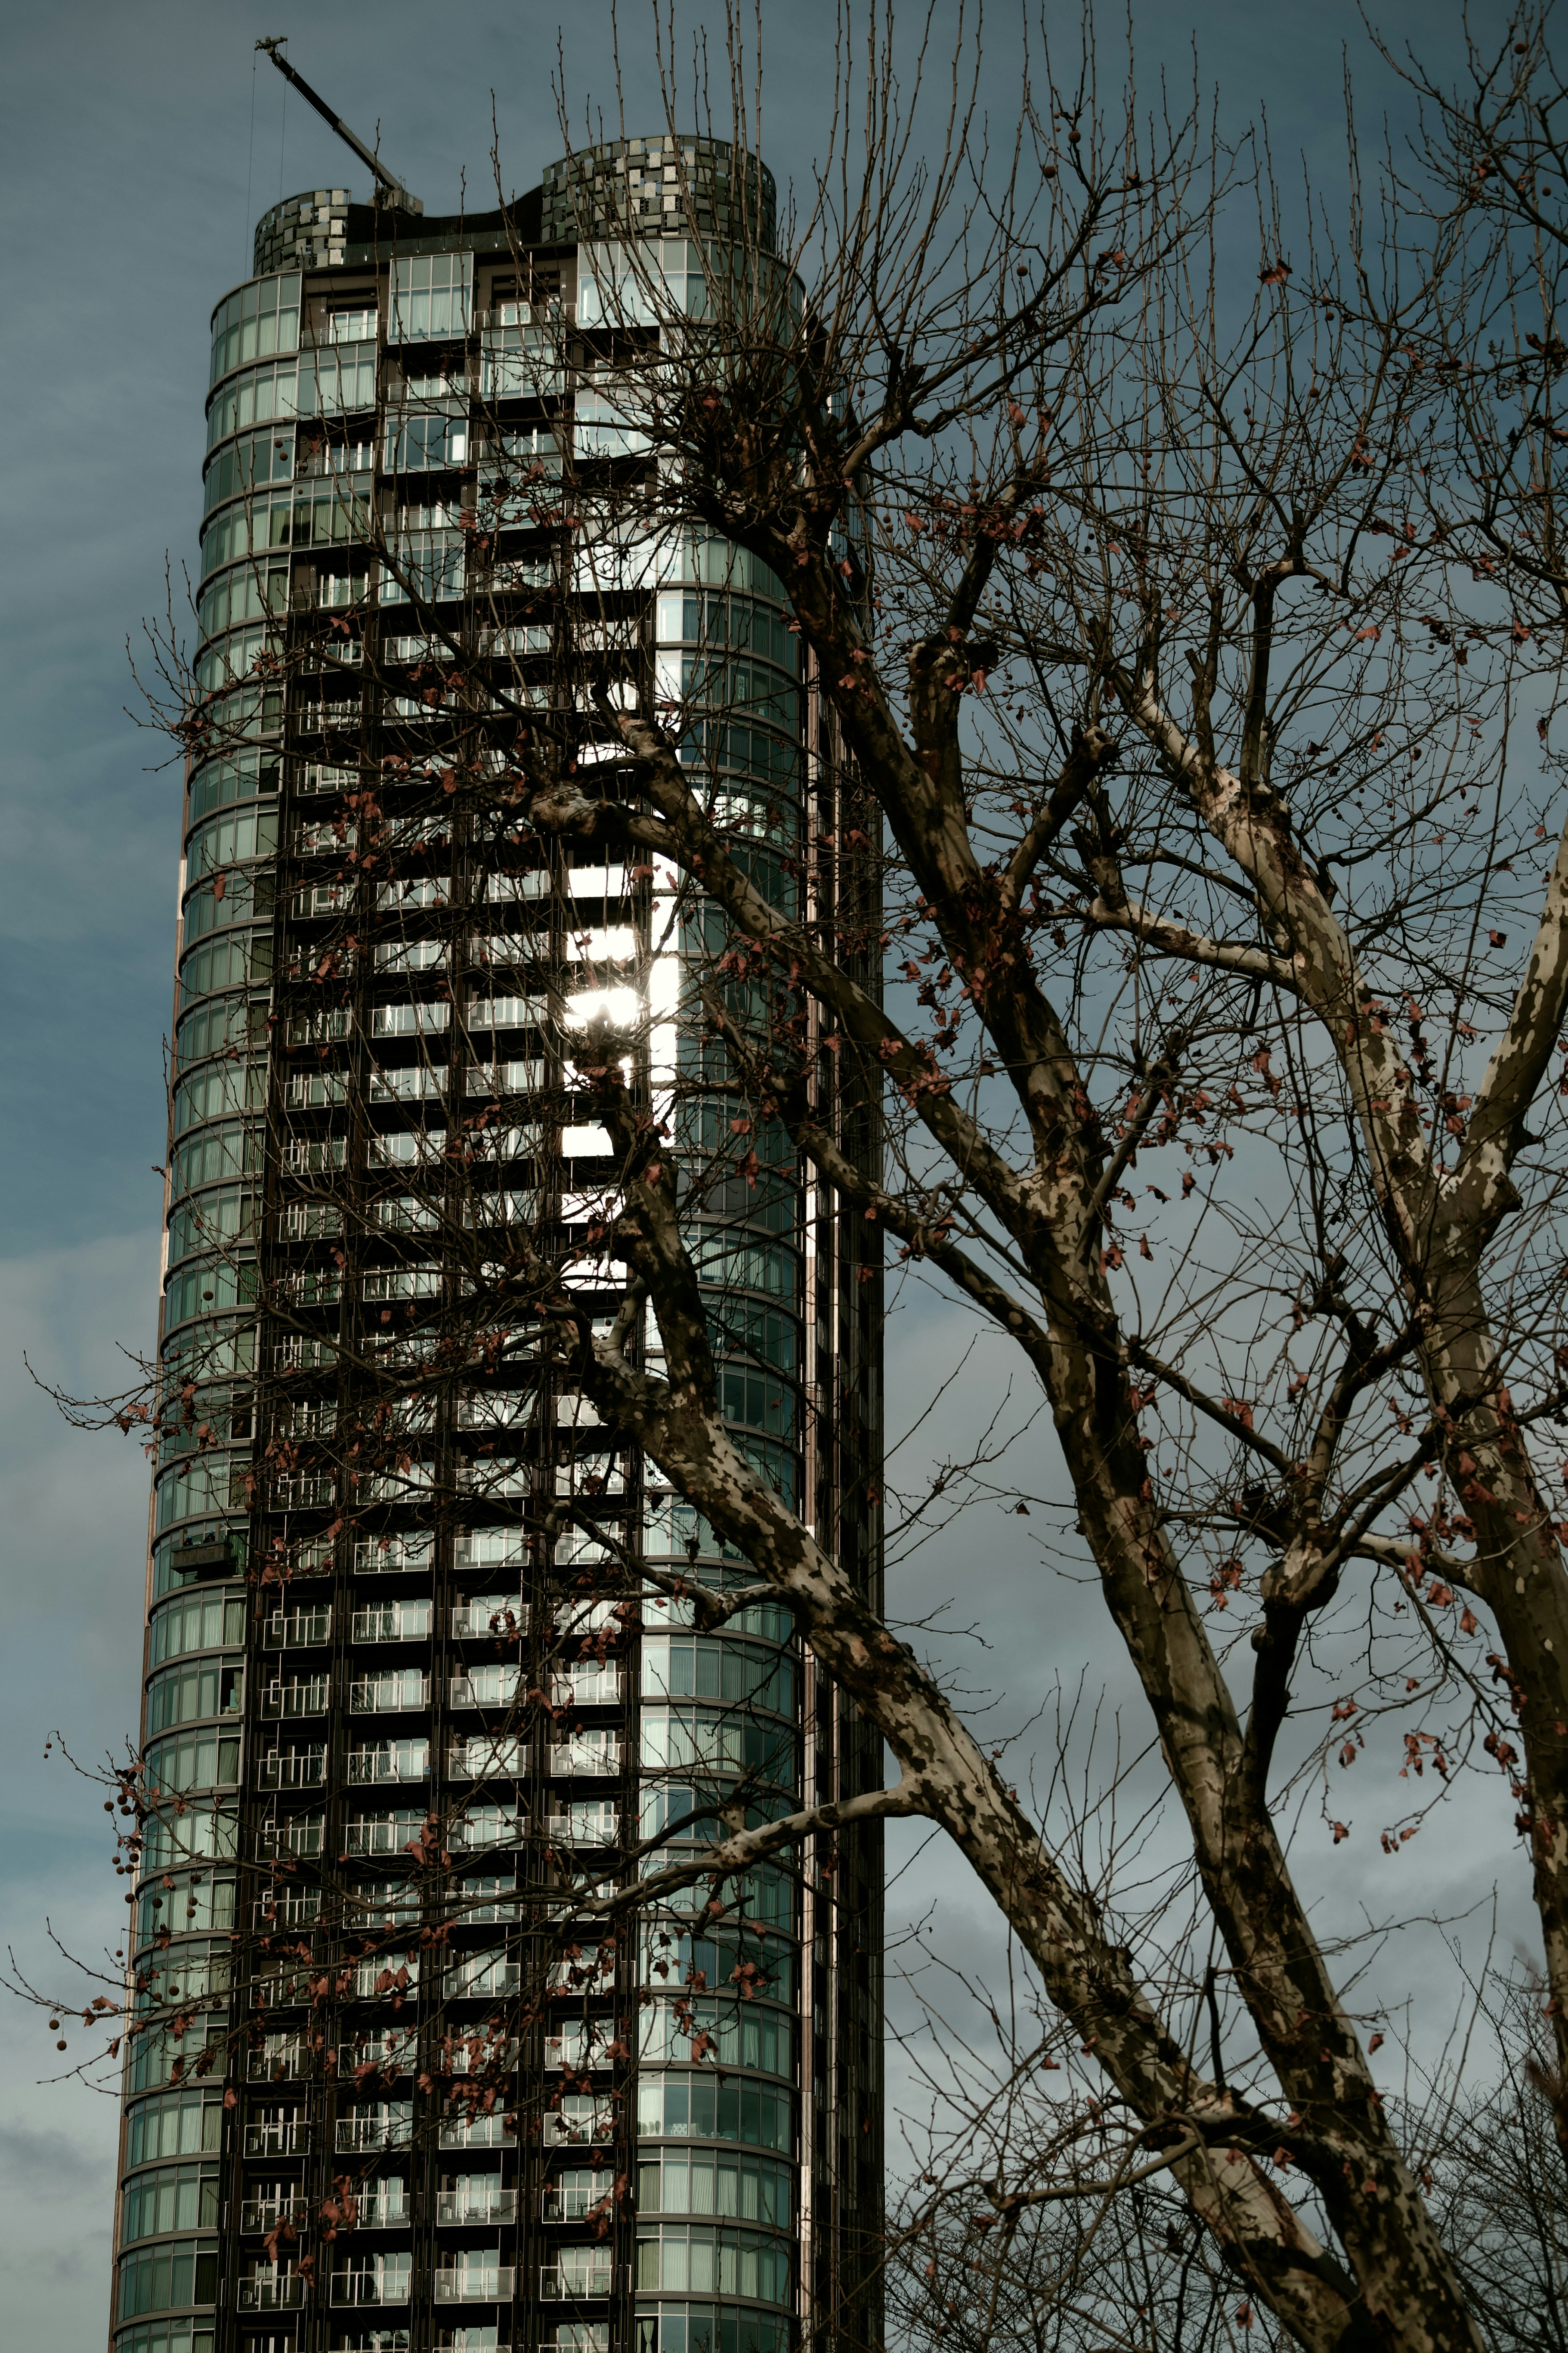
126 148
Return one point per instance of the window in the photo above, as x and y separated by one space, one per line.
190 2336
425 442
220 1088
430 296
688 2258
174 2197
237 962
358 326
241 777
424 563
675 1666
197 1833
673 2106
262 316
707 2181
198 1760
179 2125
168 2277
240 595
183 1695
248 464
337 382
203 1621
211 1222
744 2037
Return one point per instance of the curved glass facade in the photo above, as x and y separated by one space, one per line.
386 1623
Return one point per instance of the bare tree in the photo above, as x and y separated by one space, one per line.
1190 921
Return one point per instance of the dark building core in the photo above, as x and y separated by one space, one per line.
390 1714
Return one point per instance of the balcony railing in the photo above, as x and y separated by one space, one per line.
565 2128
392 1621
485 1687
594 1973
389 1694
456 2206
268 2294
370 2287
397 1761
471 1622
267 2213
503 1752
479 2132
288 1907
390 2127
588 1687
288 2139
392 2212
398 2051
276 2061
571 1758
601 1828
582 2283
289 1630
280 1701
473 2285
571 2205
293 1768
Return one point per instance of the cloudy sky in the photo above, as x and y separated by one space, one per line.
136 148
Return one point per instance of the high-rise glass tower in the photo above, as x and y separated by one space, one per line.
418 1689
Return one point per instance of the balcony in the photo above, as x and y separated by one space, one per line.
389 1694
388 2125
481 1758
484 1617
267 2213
288 1907
282 1700
397 2052
596 1823
391 1760
591 1972
293 1768
300 1837
577 2282
266 2292
577 2124
379 2286
485 1687
282 2059
475 2285
454 2206
478 2132
392 1622
290 1629
588 1686
569 2201
278 2136
570 1759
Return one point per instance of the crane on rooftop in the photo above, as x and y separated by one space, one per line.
388 190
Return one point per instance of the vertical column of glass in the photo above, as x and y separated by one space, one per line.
719 2083
183 1906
